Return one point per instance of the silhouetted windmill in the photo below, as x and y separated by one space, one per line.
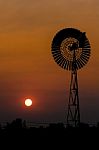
71 51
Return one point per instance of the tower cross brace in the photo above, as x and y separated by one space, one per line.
73 114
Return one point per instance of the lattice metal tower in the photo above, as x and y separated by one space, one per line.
71 51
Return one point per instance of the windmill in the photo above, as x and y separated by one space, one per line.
71 51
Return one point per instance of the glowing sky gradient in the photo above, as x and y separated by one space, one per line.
27 68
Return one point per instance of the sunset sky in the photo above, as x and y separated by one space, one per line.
27 68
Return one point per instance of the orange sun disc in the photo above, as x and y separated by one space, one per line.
28 102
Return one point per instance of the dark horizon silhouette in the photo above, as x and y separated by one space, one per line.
19 123
18 134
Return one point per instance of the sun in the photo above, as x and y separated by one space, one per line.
28 102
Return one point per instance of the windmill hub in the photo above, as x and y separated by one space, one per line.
73 46
67 48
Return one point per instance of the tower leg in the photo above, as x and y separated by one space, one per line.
73 114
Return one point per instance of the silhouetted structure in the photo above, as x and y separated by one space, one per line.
71 51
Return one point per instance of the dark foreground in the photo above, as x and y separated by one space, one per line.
18 137
36 136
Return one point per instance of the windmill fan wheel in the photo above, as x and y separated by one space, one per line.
65 42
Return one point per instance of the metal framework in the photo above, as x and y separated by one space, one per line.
73 114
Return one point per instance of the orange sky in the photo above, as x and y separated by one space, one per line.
27 67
